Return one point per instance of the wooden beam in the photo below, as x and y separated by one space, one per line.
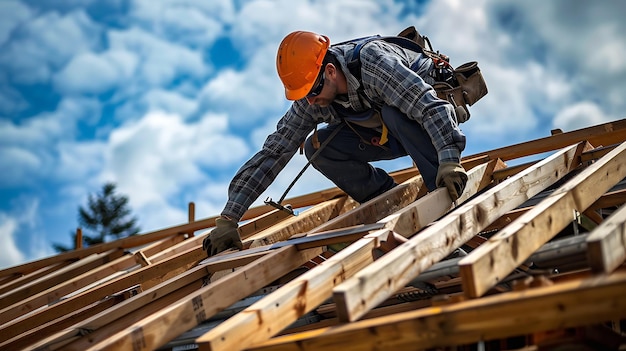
271 314
36 286
615 198
16 327
159 328
149 301
86 337
378 207
18 280
275 312
262 222
21 341
303 222
113 317
404 194
488 318
51 295
602 134
411 219
510 247
606 245
377 282
125 243
112 320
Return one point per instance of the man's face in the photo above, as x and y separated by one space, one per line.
324 90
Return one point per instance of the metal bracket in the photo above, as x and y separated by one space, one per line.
287 208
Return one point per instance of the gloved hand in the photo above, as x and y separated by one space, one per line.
223 237
452 175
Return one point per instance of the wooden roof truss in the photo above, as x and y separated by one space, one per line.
406 270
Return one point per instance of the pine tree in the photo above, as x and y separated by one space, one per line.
106 217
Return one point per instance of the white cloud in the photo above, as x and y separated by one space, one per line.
248 95
170 102
159 156
17 247
10 255
196 23
15 13
580 39
89 73
580 115
30 150
17 165
78 161
11 100
47 43
161 61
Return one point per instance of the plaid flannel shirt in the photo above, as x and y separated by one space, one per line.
386 80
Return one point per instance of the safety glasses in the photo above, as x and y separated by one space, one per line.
317 89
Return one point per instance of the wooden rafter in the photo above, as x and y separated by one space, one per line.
606 245
275 312
510 247
126 295
377 282
492 317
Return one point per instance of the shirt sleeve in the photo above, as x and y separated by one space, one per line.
259 172
387 79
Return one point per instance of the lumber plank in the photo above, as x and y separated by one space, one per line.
54 293
159 328
261 222
510 247
103 333
488 318
275 312
32 303
603 134
115 318
68 319
586 156
271 314
77 268
303 222
412 218
606 245
613 198
16 281
103 323
378 207
378 281
124 243
16 327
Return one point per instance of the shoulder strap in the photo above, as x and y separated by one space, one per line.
354 65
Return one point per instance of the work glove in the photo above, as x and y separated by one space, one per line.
452 176
224 236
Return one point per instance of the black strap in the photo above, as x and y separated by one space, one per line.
354 65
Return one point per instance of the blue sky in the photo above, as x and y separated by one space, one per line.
167 98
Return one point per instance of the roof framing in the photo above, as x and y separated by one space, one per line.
146 291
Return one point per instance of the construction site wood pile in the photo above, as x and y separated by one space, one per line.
531 257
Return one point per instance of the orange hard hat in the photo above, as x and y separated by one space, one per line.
299 60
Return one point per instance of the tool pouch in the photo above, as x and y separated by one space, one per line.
467 87
463 87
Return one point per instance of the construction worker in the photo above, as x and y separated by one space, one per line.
390 111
